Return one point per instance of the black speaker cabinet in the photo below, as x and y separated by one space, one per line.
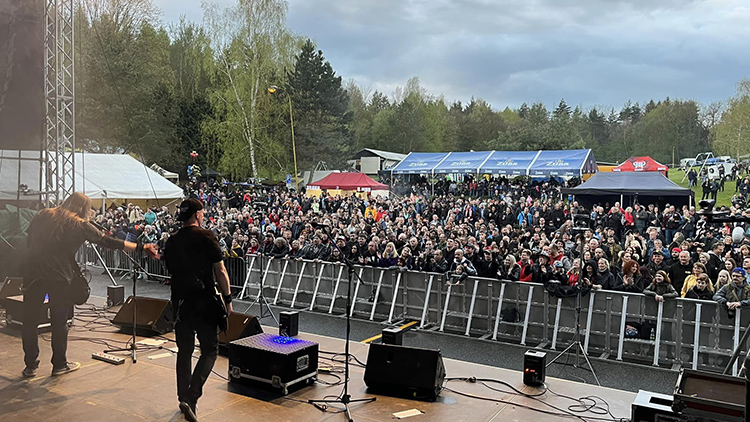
289 323
407 372
115 295
239 326
153 316
534 368
392 335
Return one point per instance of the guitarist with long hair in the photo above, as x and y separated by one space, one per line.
54 236
195 263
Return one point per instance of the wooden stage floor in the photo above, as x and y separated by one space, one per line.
146 390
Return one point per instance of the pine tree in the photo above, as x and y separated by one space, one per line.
320 109
562 111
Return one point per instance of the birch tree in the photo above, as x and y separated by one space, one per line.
253 48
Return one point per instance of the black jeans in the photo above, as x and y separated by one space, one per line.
190 384
60 311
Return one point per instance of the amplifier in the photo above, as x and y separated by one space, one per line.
289 323
392 335
273 361
115 295
14 313
709 396
534 368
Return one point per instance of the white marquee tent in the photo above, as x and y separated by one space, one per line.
117 177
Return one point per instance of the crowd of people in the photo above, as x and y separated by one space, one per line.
504 229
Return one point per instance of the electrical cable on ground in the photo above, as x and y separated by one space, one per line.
587 404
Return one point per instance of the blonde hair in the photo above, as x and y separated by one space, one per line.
393 253
728 279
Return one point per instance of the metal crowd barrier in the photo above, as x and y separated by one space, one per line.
120 266
692 333
689 333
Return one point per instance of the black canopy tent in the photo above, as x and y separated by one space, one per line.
629 188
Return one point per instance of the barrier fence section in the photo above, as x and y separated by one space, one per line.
689 333
686 332
120 267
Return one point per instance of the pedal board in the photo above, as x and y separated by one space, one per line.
114 360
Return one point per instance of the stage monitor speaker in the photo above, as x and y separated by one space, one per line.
407 372
153 316
13 286
239 326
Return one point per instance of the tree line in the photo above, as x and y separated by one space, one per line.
161 91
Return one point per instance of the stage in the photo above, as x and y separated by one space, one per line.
146 390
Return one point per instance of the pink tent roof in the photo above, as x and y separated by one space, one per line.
347 181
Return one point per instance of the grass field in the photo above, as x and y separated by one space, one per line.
722 198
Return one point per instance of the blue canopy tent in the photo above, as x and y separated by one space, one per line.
462 162
570 163
512 163
419 163
564 163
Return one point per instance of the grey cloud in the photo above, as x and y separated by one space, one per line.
507 52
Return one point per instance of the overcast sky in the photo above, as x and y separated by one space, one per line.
590 52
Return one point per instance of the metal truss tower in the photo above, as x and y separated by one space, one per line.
58 147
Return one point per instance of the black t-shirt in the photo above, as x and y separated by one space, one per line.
190 255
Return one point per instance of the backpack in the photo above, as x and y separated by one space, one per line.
510 314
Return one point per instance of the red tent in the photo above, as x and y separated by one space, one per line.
347 181
642 164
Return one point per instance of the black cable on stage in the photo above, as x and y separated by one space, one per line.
336 354
491 399
587 404
484 382
582 406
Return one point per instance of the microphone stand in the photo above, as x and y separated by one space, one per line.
345 398
576 344
261 299
132 347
